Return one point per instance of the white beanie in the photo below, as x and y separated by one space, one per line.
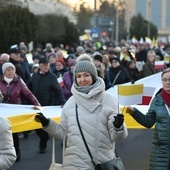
6 65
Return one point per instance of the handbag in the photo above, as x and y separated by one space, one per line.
114 164
54 165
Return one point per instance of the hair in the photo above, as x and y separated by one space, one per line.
108 63
151 52
165 71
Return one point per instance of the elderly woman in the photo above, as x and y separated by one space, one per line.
158 115
13 90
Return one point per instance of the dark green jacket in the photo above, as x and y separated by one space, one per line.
158 115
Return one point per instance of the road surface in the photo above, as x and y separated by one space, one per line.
134 151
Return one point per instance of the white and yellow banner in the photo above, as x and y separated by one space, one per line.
22 116
130 94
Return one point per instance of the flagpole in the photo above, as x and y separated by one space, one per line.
118 97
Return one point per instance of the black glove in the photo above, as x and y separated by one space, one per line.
119 119
42 119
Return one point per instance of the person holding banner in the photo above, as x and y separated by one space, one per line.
158 115
14 90
99 119
7 150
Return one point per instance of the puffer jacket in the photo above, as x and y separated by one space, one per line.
158 115
45 87
96 111
16 91
7 150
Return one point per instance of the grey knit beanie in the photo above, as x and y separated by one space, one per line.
84 63
6 65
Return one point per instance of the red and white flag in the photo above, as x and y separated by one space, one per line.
159 64
60 81
147 95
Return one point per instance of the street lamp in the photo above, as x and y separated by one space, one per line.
149 17
119 4
117 25
111 30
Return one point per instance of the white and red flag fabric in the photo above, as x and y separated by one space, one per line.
147 95
130 94
60 81
159 65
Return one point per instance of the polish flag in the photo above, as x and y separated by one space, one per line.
159 64
147 95
60 81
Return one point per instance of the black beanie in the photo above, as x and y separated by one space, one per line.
98 57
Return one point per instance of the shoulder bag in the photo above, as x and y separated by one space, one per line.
54 165
114 164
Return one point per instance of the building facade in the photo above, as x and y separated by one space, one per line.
155 11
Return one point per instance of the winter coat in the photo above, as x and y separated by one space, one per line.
148 69
7 150
16 92
44 87
134 74
68 81
123 77
96 111
158 115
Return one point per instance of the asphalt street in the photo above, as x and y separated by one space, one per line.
134 151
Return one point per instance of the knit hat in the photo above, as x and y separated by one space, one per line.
130 62
52 54
61 61
85 64
80 50
72 62
6 65
98 57
115 58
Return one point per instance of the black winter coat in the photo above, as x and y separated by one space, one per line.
122 78
45 87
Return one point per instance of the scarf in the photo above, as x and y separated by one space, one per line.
87 89
8 80
166 97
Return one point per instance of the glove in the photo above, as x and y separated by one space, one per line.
119 119
42 119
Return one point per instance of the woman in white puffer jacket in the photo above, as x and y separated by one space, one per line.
98 115
7 150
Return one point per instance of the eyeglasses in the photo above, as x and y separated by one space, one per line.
165 80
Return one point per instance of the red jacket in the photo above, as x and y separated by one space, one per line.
16 91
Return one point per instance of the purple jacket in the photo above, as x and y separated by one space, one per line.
15 91
68 81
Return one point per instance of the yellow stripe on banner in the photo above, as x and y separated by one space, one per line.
23 123
129 90
130 122
26 122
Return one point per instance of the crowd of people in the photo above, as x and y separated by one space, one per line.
76 77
